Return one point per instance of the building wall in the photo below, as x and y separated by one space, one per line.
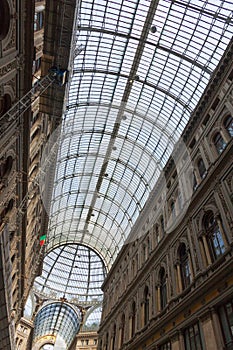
85 340
15 79
22 212
171 286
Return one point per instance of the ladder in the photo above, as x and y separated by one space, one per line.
15 112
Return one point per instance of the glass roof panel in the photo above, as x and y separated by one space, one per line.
131 93
92 319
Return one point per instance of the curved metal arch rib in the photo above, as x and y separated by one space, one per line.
128 68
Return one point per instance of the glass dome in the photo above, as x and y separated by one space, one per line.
72 272
58 319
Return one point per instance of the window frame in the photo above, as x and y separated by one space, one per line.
163 288
226 323
184 267
214 236
219 142
228 120
193 339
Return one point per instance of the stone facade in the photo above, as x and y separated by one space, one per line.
15 81
172 283
23 217
85 340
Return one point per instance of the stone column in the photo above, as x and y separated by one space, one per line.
158 299
226 137
130 325
190 265
142 314
207 253
179 284
119 337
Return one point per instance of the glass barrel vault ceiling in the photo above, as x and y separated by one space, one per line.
131 93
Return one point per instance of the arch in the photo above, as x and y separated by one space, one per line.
162 265
207 207
59 316
62 269
182 240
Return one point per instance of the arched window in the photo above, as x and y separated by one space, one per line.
228 124
133 319
184 266
201 168
219 143
163 288
214 236
146 305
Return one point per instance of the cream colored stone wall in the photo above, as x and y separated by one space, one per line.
135 278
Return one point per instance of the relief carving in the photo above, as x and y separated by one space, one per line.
12 42
8 68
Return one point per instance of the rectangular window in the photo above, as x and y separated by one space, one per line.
226 321
192 338
38 21
165 346
36 65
